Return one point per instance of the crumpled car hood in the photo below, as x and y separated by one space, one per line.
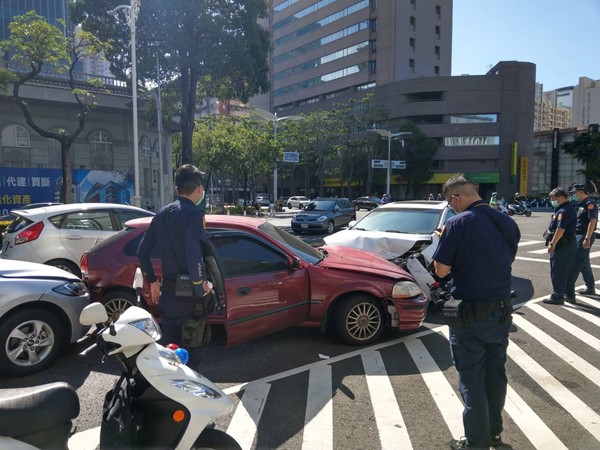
386 244
357 260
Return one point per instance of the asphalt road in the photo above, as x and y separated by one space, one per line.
277 381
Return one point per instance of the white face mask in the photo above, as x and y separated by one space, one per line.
201 198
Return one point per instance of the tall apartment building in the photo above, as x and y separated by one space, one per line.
324 48
53 10
586 103
552 108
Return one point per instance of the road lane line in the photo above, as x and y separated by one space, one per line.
318 420
570 357
245 420
538 252
566 325
524 243
581 412
390 423
443 394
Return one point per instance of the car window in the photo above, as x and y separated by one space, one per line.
413 221
243 255
320 205
125 215
18 224
89 220
131 248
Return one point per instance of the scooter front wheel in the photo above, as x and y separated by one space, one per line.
212 439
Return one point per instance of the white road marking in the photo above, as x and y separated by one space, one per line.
318 421
247 415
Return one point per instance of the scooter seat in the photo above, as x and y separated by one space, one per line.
27 410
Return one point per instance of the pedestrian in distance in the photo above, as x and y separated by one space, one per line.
587 217
178 231
478 247
494 201
561 245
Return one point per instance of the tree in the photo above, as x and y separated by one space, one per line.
216 43
585 148
35 44
418 152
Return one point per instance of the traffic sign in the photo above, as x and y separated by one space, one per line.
398 164
292 157
379 163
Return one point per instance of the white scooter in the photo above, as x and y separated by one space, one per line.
158 402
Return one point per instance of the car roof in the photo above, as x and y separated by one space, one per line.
212 221
70 207
415 204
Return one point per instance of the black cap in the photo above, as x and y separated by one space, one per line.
577 187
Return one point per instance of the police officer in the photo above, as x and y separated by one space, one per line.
562 246
178 229
479 245
587 217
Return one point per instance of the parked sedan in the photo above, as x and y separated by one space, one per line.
324 214
297 202
269 280
39 315
58 235
366 202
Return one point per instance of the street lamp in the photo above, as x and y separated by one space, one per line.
389 135
266 115
131 13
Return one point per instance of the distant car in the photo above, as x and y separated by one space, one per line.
324 214
269 280
366 202
58 235
261 200
297 202
39 315
398 230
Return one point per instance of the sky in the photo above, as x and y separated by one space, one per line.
561 37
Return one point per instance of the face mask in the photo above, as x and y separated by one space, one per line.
574 198
554 203
201 198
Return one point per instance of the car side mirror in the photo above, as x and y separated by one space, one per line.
295 264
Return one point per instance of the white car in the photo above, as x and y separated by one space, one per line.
59 235
399 232
297 202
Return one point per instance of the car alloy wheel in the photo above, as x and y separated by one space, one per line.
330 227
116 303
360 320
30 340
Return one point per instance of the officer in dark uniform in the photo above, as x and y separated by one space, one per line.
587 217
479 245
178 229
562 245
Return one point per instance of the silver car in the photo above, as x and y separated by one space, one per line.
39 315
58 235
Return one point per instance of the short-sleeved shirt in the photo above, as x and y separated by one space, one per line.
178 230
479 253
586 210
564 217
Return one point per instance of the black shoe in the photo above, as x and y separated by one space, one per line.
461 444
554 301
570 299
497 443
587 291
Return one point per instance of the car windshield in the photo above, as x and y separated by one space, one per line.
300 248
320 205
411 221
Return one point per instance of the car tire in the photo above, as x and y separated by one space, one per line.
357 208
116 302
360 320
330 227
289 206
65 265
48 330
300 206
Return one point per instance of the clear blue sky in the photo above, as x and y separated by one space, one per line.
561 37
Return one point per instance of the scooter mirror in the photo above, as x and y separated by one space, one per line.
92 314
138 279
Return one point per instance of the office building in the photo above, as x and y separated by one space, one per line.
552 108
53 11
586 103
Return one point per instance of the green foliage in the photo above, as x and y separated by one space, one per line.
585 148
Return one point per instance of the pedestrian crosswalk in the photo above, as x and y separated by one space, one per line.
403 394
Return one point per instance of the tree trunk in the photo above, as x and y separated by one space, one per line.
66 191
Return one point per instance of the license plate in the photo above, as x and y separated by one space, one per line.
304 225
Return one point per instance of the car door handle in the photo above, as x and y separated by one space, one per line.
244 291
74 237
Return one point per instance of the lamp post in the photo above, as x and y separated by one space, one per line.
131 12
266 115
389 135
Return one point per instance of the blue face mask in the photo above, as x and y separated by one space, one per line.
554 203
574 198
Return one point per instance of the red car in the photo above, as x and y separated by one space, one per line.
269 280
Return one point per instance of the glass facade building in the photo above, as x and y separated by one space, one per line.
53 10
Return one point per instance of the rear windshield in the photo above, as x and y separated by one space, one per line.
18 224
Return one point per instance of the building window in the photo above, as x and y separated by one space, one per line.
146 146
413 22
474 118
438 32
436 70
15 136
437 51
101 151
412 43
471 140
373 46
373 24
438 11
373 66
411 65
413 3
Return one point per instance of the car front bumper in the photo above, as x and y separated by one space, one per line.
411 312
